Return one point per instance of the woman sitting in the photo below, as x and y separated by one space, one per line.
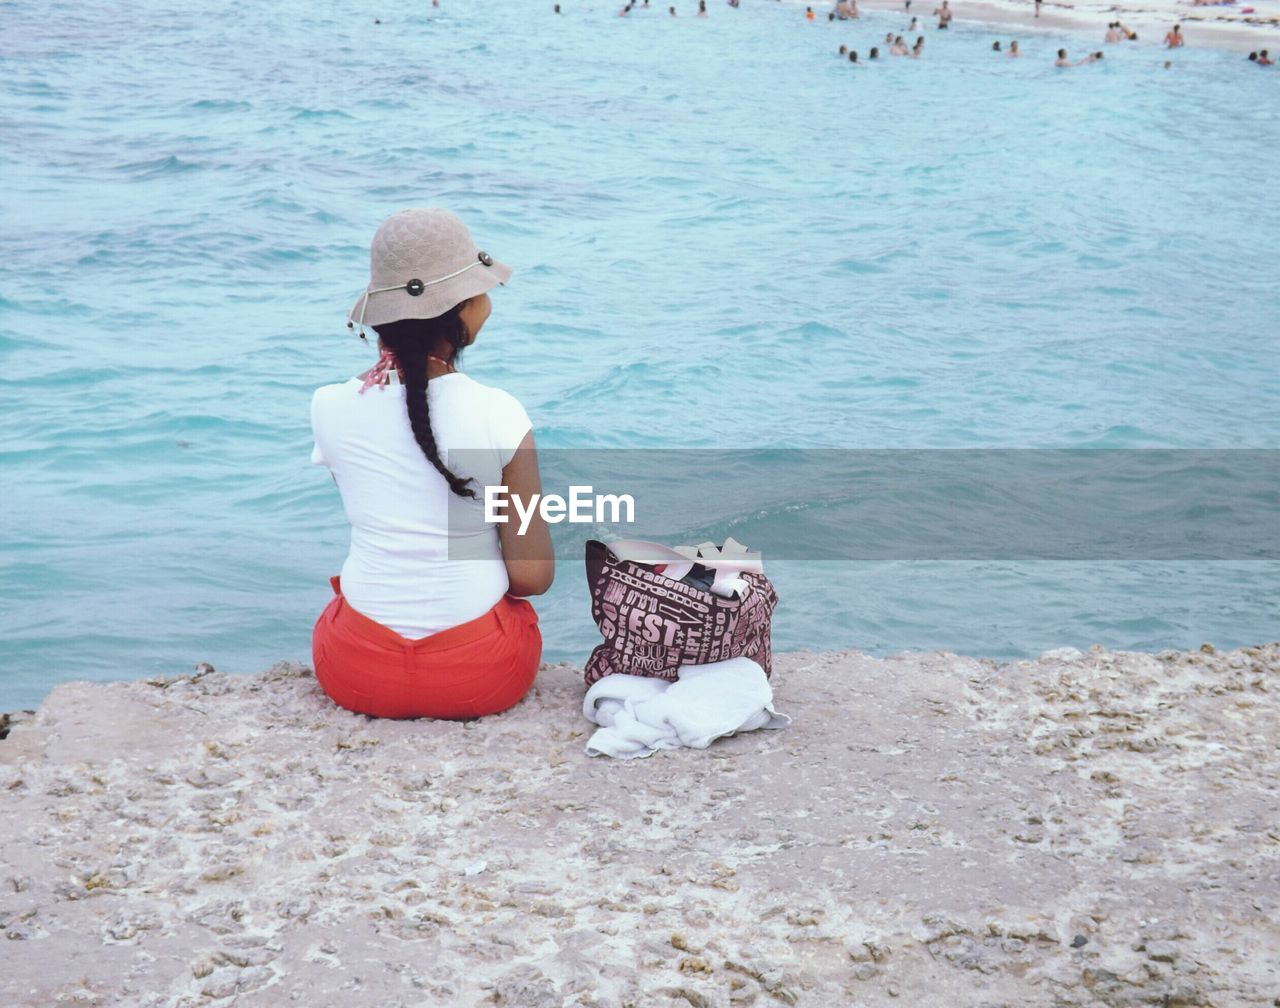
428 618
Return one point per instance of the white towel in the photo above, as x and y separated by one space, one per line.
639 715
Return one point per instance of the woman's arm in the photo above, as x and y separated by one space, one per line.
531 565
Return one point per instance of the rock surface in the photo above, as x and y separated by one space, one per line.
1097 829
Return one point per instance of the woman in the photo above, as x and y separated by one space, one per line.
429 618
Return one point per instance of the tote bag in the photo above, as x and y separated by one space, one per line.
653 622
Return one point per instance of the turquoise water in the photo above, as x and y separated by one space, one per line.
723 236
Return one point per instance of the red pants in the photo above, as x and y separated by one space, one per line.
480 667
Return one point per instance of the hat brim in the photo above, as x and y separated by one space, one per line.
435 300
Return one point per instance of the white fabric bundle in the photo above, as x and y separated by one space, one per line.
639 715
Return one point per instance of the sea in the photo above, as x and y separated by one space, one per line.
726 238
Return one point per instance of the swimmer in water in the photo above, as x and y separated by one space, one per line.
1013 48
995 46
844 50
1173 39
918 49
944 16
853 56
702 8
899 47
1064 62
808 14
888 38
913 27
874 54
1264 59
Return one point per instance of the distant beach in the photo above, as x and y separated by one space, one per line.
1221 26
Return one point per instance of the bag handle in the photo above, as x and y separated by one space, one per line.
727 561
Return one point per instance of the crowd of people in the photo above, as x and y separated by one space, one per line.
847 10
1117 32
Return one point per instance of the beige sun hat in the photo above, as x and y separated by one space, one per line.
422 262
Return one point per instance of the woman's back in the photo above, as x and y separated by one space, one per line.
422 559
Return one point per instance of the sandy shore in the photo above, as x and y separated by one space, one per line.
1204 27
1079 830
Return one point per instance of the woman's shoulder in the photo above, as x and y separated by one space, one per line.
467 386
494 409
335 388
333 393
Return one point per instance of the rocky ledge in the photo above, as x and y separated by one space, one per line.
1098 829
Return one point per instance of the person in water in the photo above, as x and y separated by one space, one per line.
1264 59
1013 49
430 616
899 47
1062 60
874 54
918 49
944 16
853 56
702 8
1173 38
995 46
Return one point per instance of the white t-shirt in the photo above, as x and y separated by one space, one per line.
422 558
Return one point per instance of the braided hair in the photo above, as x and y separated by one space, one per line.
411 340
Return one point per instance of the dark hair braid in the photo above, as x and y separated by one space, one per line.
411 340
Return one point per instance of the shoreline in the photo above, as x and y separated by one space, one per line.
1221 28
1077 829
